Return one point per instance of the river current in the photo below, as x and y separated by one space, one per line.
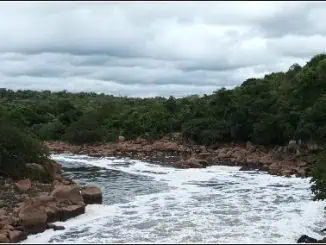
148 203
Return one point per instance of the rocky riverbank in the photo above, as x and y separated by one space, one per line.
29 207
293 159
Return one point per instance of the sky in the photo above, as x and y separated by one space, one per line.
148 49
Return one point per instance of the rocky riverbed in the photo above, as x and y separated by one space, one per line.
293 159
29 207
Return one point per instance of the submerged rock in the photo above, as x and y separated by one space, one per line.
247 168
55 227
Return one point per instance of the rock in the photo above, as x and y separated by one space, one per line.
17 236
59 228
306 239
68 193
247 168
4 238
121 138
33 219
20 228
92 195
8 228
192 162
204 155
71 211
55 227
23 185
44 199
52 212
6 220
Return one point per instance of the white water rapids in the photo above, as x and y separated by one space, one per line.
147 203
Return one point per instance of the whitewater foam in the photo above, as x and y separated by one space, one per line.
217 204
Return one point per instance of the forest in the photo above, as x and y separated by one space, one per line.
267 111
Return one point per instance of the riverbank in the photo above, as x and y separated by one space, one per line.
289 160
30 207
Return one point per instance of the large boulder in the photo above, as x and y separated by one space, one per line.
33 218
70 194
23 185
92 195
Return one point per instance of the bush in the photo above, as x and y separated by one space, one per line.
86 130
17 148
49 131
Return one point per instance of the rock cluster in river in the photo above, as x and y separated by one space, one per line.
293 159
29 207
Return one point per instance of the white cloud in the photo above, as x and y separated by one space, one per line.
173 48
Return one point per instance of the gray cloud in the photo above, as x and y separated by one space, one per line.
153 49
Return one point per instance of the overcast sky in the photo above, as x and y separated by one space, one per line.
153 48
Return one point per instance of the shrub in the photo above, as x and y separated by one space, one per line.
17 148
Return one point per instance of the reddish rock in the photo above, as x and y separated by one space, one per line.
33 218
68 193
23 185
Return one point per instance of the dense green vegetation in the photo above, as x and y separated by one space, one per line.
18 147
268 111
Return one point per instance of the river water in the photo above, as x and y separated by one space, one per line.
147 203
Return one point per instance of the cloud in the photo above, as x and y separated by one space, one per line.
153 49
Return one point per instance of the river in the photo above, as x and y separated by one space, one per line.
148 203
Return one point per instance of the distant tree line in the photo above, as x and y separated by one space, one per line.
268 111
